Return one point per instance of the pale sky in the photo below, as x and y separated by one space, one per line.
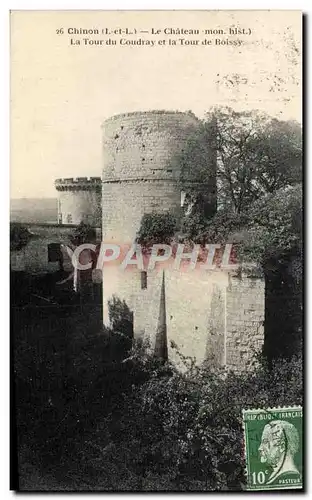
61 93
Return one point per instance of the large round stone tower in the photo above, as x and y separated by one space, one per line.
79 200
140 173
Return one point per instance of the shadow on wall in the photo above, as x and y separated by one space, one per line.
283 311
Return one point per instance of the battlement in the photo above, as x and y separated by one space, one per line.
77 183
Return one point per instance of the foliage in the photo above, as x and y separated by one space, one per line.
268 234
216 230
83 233
19 236
156 228
270 229
181 432
196 161
251 153
274 227
121 321
98 420
257 155
197 164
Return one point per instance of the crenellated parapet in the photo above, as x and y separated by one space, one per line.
78 184
79 200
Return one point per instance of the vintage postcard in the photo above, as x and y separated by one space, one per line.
156 250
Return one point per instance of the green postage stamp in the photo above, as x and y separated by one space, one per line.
273 447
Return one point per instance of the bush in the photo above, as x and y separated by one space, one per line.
156 228
100 421
83 233
181 432
121 322
19 236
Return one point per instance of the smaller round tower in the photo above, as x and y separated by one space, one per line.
79 200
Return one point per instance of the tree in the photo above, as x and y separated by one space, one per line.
270 230
251 153
19 236
197 164
257 155
273 226
273 237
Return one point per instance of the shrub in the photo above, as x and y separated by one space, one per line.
19 236
184 431
83 233
156 228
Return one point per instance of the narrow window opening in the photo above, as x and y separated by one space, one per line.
183 196
54 252
143 280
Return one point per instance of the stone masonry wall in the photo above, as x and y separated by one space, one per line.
33 258
211 316
245 301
